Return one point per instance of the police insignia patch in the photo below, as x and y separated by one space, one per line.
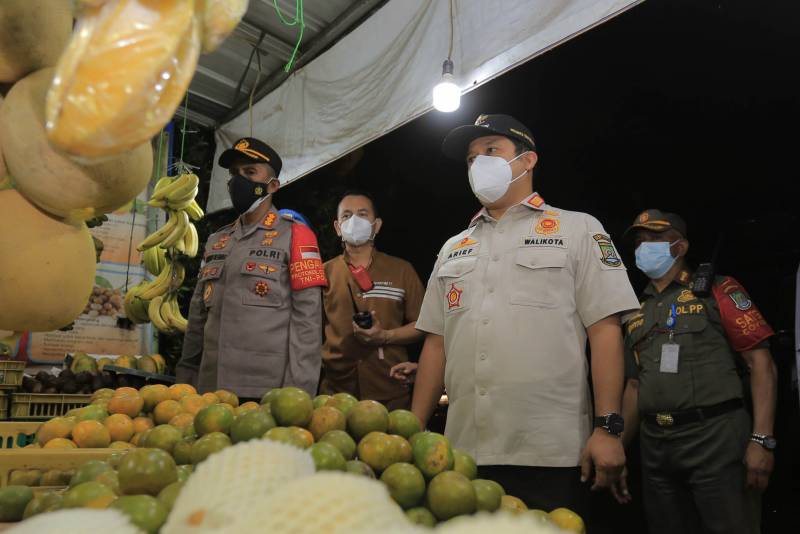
269 220
208 291
250 266
221 243
608 252
686 296
467 241
454 297
261 288
547 226
741 300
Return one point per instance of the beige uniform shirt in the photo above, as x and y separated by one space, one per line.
512 299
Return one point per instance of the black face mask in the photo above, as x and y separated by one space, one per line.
244 192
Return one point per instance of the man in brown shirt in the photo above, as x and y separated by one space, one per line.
369 363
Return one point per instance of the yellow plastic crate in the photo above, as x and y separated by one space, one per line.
47 459
11 372
17 434
45 406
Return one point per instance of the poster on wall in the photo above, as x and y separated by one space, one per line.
96 330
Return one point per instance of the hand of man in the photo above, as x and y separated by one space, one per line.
375 336
606 453
404 372
759 462
620 489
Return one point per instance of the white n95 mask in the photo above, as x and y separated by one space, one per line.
490 177
356 230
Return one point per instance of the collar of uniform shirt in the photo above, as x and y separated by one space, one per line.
683 278
533 201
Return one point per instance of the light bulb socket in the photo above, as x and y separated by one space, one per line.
447 67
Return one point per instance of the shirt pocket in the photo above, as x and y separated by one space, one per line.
455 280
209 276
535 277
261 283
689 331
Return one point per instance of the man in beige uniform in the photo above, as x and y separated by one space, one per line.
508 309
356 360
255 320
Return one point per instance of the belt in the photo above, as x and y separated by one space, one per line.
670 419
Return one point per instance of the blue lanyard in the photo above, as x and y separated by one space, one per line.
673 314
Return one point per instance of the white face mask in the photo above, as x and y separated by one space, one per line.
490 177
356 230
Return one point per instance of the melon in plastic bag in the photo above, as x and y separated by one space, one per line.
220 18
76 521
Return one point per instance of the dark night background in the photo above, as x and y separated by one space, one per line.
686 105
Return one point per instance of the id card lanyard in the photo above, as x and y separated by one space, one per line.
670 350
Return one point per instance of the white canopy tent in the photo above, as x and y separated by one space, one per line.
380 76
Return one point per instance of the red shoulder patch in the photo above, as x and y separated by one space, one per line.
743 322
305 263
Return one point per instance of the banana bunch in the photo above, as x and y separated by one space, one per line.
165 314
176 195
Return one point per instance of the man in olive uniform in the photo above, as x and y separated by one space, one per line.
508 310
255 321
703 461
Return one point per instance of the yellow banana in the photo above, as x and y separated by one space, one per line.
191 241
180 244
178 229
154 312
159 235
154 258
174 316
158 286
139 309
162 183
194 211
180 183
177 275
179 203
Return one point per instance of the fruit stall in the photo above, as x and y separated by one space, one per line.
100 229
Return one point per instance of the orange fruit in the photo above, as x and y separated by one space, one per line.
247 407
216 418
178 391
227 397
166 410
193 403
304 435
210 399
60 443
140 424
325 419
58 427
120 426
153 394
103 393
125 391
126 401
182 421
121 445
91 434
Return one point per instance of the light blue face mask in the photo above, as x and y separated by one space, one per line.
654 259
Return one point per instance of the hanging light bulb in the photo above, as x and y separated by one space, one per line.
446 94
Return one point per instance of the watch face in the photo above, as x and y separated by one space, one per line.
616 425
770 442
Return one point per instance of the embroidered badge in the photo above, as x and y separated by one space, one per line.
208 291
261 288
547 226
467 241
683 277
269 220
535 241
741 300
221 243
686 296
266 268
250 266
209 271
609 254
551 213
454 297
536 201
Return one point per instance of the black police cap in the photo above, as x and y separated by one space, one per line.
457 142
254 150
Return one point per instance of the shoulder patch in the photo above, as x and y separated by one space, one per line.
608 253
742 320
305 263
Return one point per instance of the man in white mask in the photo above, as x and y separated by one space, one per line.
367 360
508 310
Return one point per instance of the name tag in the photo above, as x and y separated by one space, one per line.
669 357
539 241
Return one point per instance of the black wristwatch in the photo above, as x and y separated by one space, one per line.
613 423
768 442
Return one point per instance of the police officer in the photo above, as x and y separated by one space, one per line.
704 461
511 302
255 320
